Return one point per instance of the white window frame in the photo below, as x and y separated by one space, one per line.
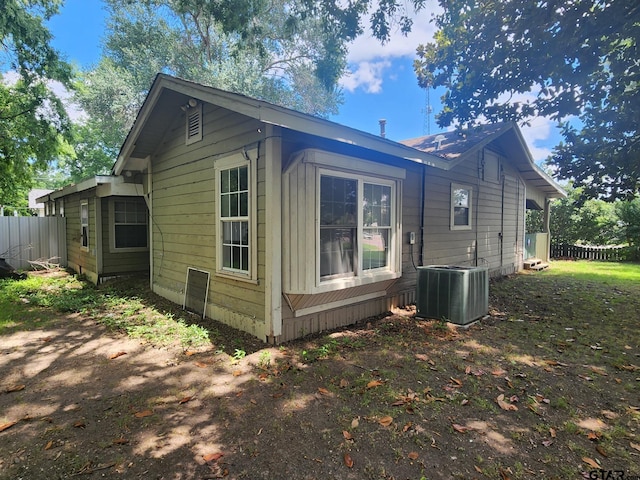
238 160
193 114
84 204
112 227
360 275
469 225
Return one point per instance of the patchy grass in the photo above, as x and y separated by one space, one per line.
547 386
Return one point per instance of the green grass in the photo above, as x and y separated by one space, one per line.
33 302
619 274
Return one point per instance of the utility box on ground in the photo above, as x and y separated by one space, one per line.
458 295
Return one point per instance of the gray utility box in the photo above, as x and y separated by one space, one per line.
457 294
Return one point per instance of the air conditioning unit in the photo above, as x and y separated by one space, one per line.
459 295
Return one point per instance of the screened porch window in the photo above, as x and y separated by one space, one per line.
84 225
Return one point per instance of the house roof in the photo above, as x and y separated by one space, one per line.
456 146
105 185
168 94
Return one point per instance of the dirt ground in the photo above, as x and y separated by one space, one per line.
393 398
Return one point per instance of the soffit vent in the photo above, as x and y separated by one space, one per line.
196 291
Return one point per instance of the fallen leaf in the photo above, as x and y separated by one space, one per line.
548 443
49 445
413 455
467 370
185 399
504 473
212 457
498 372
478 469
598 370
374 383
585 377
355 422
552 432
189 353
15 388
80 424
459 428
120 441
601 450
144 413
504 405
237 373
464 402
385 421
116 355
348 461
324 391
422 357
593 436
456 381
344 383
635 446
347 435
200 364
609 414
591 462
407 426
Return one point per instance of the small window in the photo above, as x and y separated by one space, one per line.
461 198
84 225
129 223
193 127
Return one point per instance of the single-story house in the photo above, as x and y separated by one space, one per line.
282 224
107 230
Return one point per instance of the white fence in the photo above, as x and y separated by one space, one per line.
28 239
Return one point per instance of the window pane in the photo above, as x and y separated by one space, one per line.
338 201
461 197
375 248
224 205
244 178
130 236
244 204
460 216
224 181
226 256
337 251
233 180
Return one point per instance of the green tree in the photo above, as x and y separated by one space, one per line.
629 215
515 59
34 127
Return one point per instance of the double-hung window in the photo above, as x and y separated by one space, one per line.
236 202
356 228
84 225
461 198
129 223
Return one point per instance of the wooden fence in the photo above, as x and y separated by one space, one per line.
604 253
29 239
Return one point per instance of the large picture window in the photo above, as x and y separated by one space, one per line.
356 226
129 223
461 198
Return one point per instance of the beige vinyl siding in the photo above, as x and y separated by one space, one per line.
114 262
80 260
184 206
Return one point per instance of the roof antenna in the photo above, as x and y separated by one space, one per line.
382 123
438 141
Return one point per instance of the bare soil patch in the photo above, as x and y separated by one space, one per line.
539 389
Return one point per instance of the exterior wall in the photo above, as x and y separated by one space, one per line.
82 261
497 234
183 217
113 262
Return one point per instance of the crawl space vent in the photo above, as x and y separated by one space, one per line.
195 294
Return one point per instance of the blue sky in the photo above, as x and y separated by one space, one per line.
381 82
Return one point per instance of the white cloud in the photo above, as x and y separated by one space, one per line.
369 60
368 76
76 114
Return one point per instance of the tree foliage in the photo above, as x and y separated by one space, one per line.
34 127
565 60
288 52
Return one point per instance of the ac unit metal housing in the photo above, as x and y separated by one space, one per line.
456 294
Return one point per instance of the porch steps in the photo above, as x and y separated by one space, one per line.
535 264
